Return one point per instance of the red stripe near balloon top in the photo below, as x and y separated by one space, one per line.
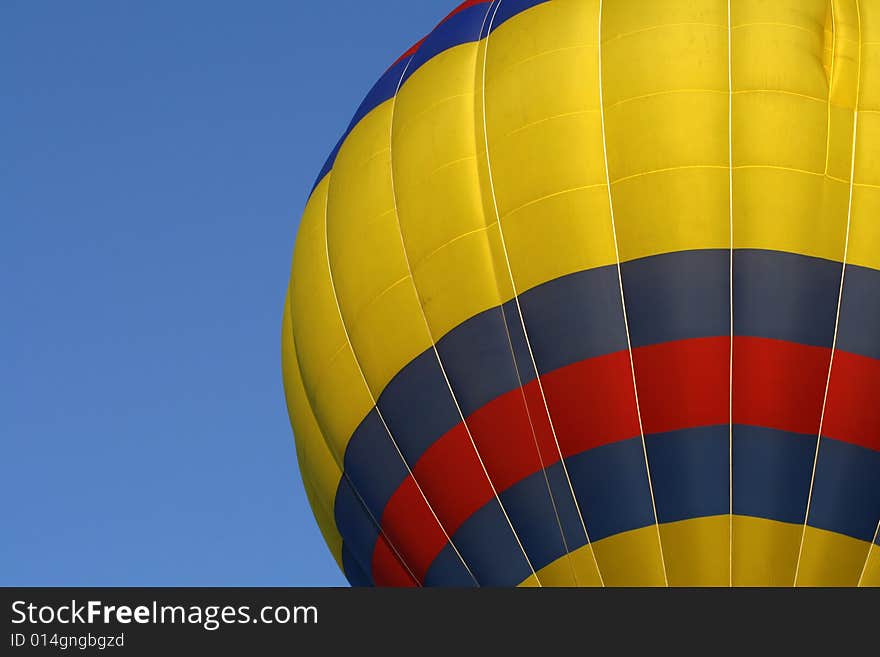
414 48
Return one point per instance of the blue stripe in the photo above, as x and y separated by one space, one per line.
328 163
570 319
533 517
690 471
490 549
677 296
447 570
611 484
771 473
373 464
477 359
575 317
358 530
530 510
464 27
518 342
572 528
532 514
418 407
846 492
383 90
859 329
579 316
785 296
354 573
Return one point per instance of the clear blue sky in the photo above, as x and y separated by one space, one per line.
154 160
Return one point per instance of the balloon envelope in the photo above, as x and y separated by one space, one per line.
588 294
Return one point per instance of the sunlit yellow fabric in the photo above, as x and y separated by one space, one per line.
319 470
871 574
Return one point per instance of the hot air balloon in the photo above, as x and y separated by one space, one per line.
588 294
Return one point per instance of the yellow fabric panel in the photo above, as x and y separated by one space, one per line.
846 43
864 240
633 16
531 582
828 51
566 232
830 559
789 211
871 576
765 552
869 87
697 551
376 294
559 573
545 148
479 260
672 211
869 19
453 252
782 130
785 43
390 333
840 130
319 471
666 131
544 139
668 57
786 133
865 228
807 14
631 558
666 126
333 382
359 200
867 151
665 89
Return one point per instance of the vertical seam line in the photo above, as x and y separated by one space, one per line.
730 291
623 300
830 88
852 176
434 341
374 400
526 336
868 558
345 475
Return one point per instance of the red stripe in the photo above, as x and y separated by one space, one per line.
852 413
779 385
592 402
410 525
682 384
414 48
502 431
453 480
387 569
